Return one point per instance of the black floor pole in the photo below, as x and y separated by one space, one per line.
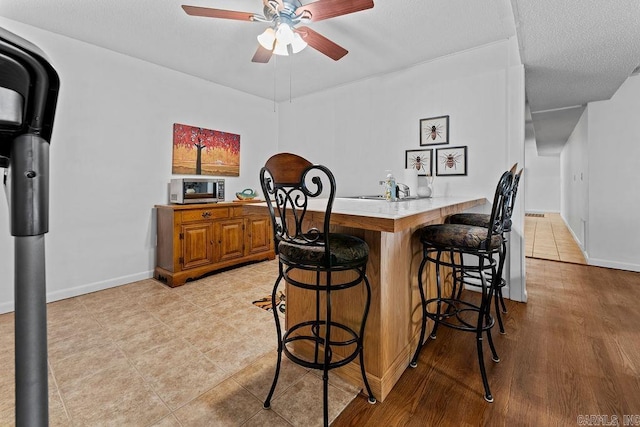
28 96
32 396
29 204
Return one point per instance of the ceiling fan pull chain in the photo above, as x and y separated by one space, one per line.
290 70
275 61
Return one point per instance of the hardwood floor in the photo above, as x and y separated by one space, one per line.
572 351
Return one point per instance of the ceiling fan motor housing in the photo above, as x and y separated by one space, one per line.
283 11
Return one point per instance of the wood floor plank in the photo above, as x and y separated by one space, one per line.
572 350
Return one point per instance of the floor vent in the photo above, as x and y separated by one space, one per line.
536 215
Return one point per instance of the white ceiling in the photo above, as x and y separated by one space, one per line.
574 51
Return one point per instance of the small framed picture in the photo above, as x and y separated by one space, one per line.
419 160
451 161
434 131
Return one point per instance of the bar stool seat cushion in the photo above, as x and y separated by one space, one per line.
475 219
345 250
459 236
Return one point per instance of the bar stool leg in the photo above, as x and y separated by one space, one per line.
274 308
496 283
439 295
504 252
423 304
457 271
494 353
487 315
315 329
482 319
459 275
327 353
365 316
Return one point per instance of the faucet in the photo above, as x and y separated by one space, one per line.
404 189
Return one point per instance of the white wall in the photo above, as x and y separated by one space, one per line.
575 182
613 236
361 129
111 145
542 183
111 160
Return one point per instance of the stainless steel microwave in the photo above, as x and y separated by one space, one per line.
196 190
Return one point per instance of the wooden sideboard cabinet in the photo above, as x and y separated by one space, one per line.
194 240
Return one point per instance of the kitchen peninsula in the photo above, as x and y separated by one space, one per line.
392 328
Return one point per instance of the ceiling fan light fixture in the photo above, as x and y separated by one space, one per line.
284 34
267 38
277 40
298 43
280 49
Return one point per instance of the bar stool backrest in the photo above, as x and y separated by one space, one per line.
289 182
512 200
500 212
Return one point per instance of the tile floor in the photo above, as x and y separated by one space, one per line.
144 354
549 238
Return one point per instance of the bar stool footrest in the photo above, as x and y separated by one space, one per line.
451 316
316 340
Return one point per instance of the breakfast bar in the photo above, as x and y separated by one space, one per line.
393 325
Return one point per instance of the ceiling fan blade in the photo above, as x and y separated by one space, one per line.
321 43
262 55
325 9
217 13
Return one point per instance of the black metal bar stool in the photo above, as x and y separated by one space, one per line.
289 183
458 241
466 277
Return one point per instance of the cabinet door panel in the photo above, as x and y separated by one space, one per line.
259 235
197 248
230 236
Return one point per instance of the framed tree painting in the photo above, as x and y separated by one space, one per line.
200 151
434 131
451 161
419 160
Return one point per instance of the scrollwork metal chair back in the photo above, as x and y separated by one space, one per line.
500 210
289 182
511 201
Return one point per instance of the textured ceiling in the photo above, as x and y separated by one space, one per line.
391 36
574 51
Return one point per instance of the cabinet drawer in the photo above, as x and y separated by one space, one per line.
204 214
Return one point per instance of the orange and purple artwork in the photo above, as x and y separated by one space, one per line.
200 151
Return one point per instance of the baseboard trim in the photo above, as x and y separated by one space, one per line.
613 264
85 289
575 239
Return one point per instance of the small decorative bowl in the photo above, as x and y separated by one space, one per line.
246 194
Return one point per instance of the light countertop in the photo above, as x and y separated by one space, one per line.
381 215
396 210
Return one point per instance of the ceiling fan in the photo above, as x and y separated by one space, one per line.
284 36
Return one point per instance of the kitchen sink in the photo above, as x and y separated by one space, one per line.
374 197
381 197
